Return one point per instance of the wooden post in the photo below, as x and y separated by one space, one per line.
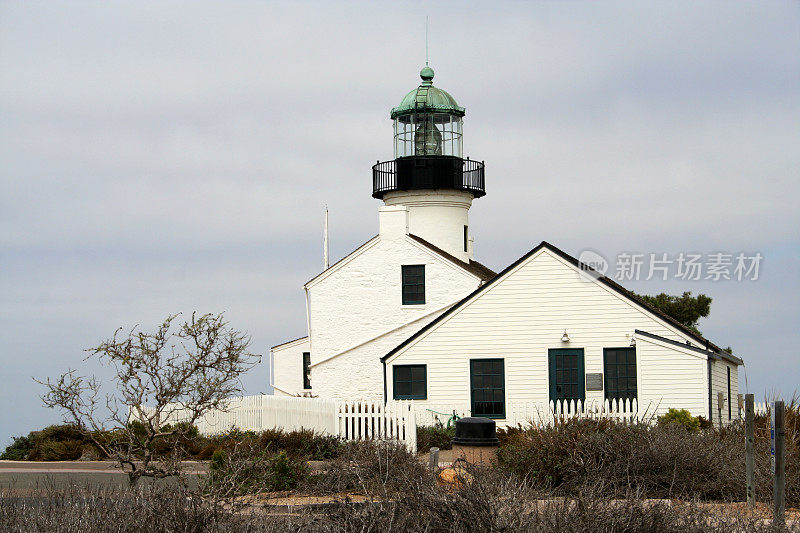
778 432
434 459
749 458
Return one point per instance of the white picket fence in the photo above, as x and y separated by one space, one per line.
395 420
370 420
524 413
365 420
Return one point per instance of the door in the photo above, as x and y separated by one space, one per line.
567 374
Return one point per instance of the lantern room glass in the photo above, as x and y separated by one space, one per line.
428 134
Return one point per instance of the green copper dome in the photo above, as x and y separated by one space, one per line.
427 98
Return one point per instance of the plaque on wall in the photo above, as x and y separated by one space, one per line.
594 381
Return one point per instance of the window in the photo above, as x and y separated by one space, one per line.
306 370
620 373
413 284
410 382
729 393
487 388
466 237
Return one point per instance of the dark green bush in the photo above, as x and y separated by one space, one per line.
303 443
53 443
247 469
435 437
18 450
284 472
682 417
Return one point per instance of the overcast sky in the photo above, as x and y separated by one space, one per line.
177 156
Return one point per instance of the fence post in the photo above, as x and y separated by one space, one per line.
779 474
749 458
411 427
433 462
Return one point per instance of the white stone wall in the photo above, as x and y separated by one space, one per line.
361 299
521 316
358 373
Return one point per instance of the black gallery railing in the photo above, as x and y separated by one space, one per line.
435 172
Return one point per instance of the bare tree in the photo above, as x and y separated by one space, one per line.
164 382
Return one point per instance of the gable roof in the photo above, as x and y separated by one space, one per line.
711 347
340 261
288 342
473 267
714 355
483 272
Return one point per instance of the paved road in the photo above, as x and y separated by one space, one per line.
28 477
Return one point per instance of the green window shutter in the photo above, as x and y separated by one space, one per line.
409 382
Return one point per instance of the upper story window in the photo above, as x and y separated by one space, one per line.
306 370
620 371
413 284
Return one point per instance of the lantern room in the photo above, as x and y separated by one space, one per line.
428 145
427 122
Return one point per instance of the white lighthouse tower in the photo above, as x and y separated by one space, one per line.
429 178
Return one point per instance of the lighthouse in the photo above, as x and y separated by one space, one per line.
429 178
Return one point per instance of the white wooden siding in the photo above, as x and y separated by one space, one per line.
669 376
719 383
524 314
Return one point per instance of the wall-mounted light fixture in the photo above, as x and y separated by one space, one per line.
565 337
633 341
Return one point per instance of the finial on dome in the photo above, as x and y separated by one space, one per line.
426 73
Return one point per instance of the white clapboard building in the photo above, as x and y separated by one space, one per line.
411 315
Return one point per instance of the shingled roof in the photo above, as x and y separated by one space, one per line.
473 267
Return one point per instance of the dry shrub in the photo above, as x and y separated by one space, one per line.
661 461
496 502
378 469
491 502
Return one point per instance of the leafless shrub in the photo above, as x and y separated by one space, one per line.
180 373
